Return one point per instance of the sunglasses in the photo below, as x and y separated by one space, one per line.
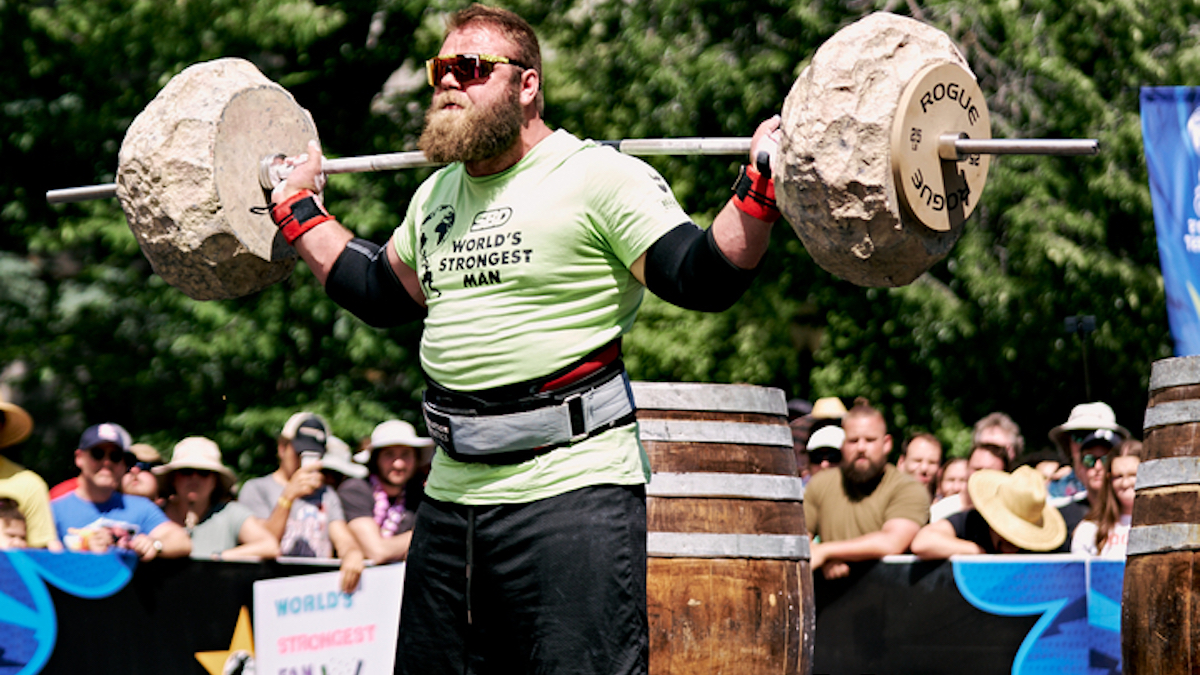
1090 459
146 466
188 473
831 455
116 455
466 68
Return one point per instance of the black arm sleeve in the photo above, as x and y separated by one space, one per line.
686 268
363 282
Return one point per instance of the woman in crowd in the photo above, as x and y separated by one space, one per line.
197 489
1104 532
951 478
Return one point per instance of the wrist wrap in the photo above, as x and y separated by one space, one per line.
298 214
754 195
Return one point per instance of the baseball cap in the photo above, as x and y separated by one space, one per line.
107 432
307 432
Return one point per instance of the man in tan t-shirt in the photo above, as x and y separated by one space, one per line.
866 508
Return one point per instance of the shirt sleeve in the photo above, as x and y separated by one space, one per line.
635 203
910 501
254 496
357 499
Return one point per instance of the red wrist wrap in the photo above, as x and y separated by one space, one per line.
754 195
298 214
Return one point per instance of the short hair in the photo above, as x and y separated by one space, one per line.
863 408
1004 422
10 510
512 27
925 436
995 451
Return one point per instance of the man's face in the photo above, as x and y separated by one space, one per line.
982 459
865 450
921 460
396 464
1091 458
479 119
1000 437
102 466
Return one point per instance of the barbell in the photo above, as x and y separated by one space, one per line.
884 151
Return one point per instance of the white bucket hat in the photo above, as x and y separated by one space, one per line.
337 457
398 432
1087 417
197 452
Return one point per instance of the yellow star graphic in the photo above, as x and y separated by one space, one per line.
241 645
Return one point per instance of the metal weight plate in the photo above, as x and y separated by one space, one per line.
942 99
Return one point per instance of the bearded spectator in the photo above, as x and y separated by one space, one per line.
865 508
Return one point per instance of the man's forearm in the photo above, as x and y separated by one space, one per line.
871 546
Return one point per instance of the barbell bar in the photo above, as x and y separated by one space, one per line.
951 148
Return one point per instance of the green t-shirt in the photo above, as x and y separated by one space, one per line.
832 515
527 271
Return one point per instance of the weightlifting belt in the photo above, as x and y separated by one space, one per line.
515 423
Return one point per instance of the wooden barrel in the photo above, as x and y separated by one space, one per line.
1160 611
729 586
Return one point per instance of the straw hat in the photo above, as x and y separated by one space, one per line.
1014 505
17 424
197 452
829 408
1087 417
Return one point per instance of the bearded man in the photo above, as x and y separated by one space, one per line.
527 258
865 508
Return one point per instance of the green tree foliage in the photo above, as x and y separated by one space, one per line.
92 334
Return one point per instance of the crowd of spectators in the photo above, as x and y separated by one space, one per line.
866 498
323 501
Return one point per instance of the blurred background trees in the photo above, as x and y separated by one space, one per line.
91 334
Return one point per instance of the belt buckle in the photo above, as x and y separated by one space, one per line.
576 417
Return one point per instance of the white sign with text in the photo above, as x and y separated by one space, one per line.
305 625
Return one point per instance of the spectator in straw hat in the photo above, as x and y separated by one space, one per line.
97 516
23 486
382 509
1010 515
139 478
197 486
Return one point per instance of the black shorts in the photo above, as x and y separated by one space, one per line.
556 586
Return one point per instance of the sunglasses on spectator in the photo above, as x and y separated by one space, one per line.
114 455
466 68
1090 459
831 455
146 466
188 473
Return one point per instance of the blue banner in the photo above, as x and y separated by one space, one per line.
1171 136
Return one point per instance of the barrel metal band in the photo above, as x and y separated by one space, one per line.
1175 372
1163 538
709 397
1156 473
726 486
705 545
1174 412
738 433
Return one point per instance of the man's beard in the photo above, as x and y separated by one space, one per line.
863 477
473 133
